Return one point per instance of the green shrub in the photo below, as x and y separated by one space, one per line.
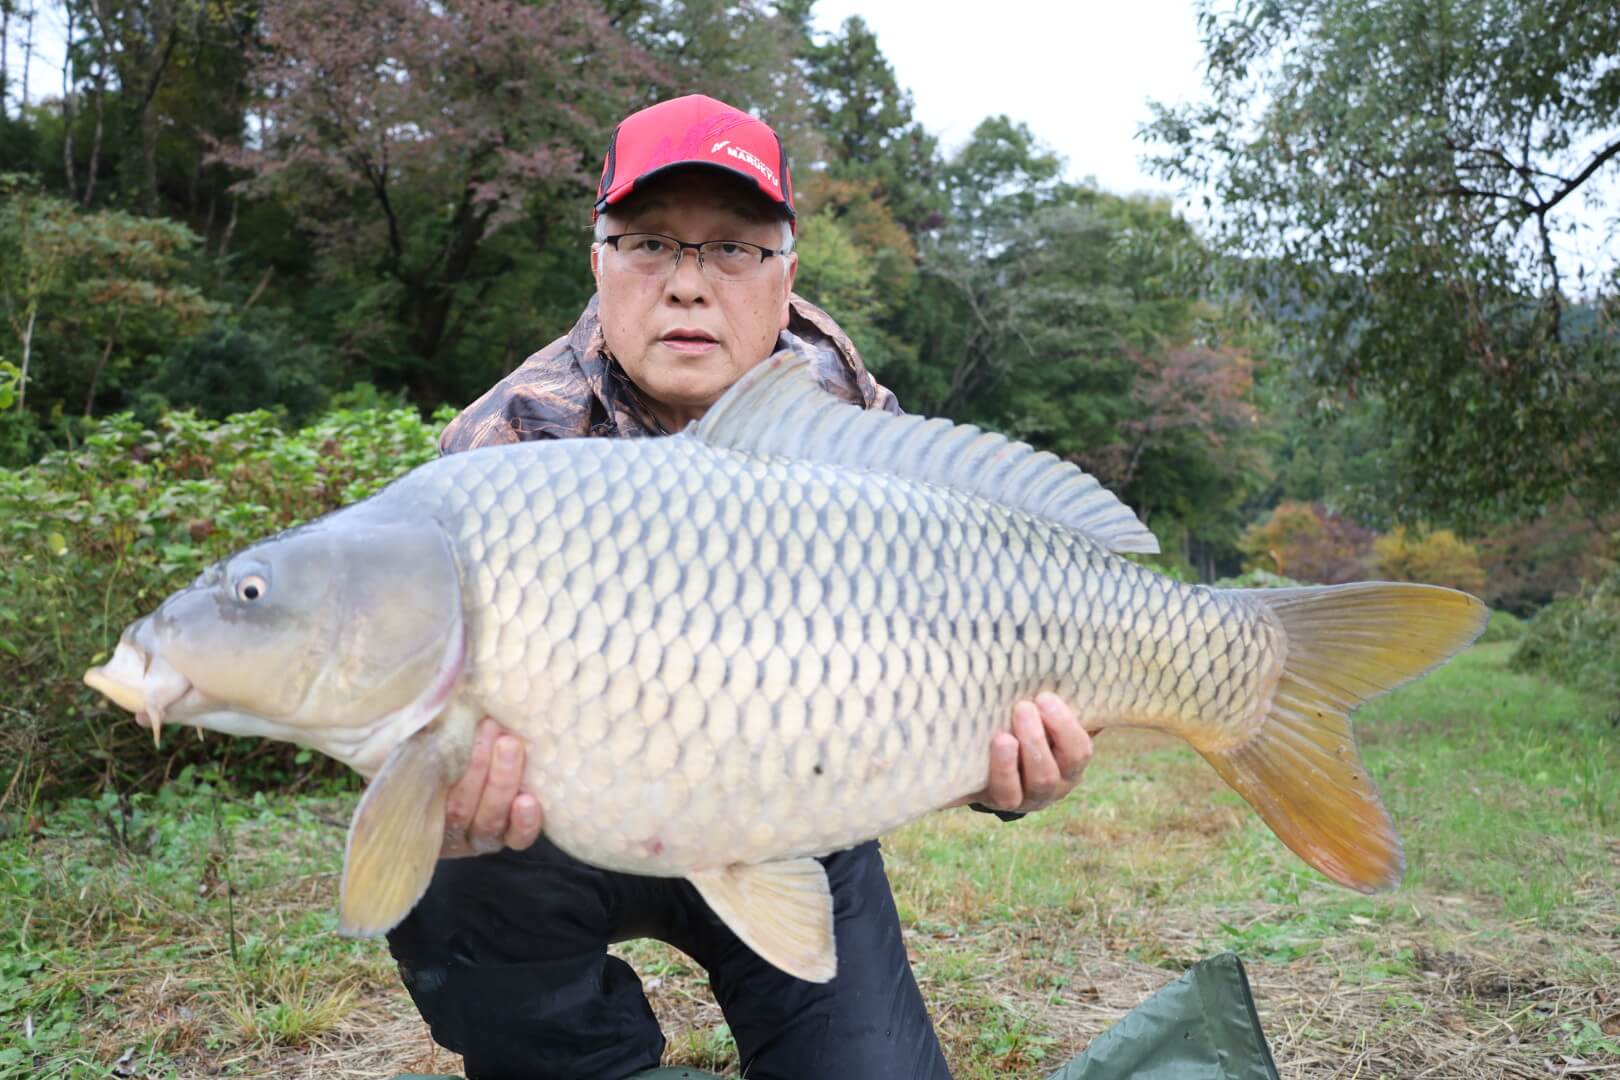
1257 579
233 367
1504 626
94 537
1577 640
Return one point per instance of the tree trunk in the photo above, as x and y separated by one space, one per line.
149 119
5 55
95 142
149 141
67 109
230 230
258 290
140 74
28 57
101 365
27 346
432 306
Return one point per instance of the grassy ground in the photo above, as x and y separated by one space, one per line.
189 934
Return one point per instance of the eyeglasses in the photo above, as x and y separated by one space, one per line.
654 254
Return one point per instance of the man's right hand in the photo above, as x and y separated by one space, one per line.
487 809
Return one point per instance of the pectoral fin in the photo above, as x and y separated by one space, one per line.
781 910
394 839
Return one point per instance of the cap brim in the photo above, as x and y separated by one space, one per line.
613 198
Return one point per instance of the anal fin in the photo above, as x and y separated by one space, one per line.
781 910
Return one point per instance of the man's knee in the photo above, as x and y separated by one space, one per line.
583 1018
506 960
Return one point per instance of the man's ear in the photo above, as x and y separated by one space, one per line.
792 258
596 265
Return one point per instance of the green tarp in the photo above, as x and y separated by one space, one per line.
1201 1027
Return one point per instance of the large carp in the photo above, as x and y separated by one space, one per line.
785 631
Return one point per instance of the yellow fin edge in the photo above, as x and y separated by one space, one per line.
394 839
1303 771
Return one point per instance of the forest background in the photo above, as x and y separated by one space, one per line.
254 251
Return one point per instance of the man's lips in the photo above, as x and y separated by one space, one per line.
684 339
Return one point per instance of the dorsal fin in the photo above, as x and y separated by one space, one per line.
778 409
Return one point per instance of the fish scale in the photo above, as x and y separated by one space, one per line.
790 629
803 734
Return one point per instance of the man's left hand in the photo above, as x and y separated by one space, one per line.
1039 762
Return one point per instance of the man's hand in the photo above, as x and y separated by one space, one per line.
1039 762
487 809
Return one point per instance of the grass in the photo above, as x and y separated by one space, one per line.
189 931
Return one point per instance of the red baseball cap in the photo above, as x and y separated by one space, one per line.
694 131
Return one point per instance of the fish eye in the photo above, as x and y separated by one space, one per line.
251 587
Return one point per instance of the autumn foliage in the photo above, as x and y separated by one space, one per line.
1307 542
1437 558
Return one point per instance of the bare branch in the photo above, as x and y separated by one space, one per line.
1598 161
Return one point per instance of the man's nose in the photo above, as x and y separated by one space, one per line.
688 283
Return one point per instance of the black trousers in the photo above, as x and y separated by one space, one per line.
506 958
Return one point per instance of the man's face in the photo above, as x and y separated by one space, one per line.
684 338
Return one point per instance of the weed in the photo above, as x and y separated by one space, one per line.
285 1004
1013 1043
711 1048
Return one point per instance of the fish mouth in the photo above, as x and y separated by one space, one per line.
142 683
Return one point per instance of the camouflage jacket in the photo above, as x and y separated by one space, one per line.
575 387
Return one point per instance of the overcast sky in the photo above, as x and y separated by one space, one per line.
1079 74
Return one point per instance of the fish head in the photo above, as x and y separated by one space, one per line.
333 635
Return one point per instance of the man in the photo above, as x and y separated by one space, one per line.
506 954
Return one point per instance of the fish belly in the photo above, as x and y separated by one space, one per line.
718 658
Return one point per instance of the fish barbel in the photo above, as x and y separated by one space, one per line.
785 631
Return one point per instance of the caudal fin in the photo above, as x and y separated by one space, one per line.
1302 770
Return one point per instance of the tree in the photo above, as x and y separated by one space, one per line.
35 234
1073 319
140 40
1308 543
404 135
878 184
978 264
740 51
97 293
1531 563
1397 182
1188 433
998 179
7 10
873 140
1438 558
